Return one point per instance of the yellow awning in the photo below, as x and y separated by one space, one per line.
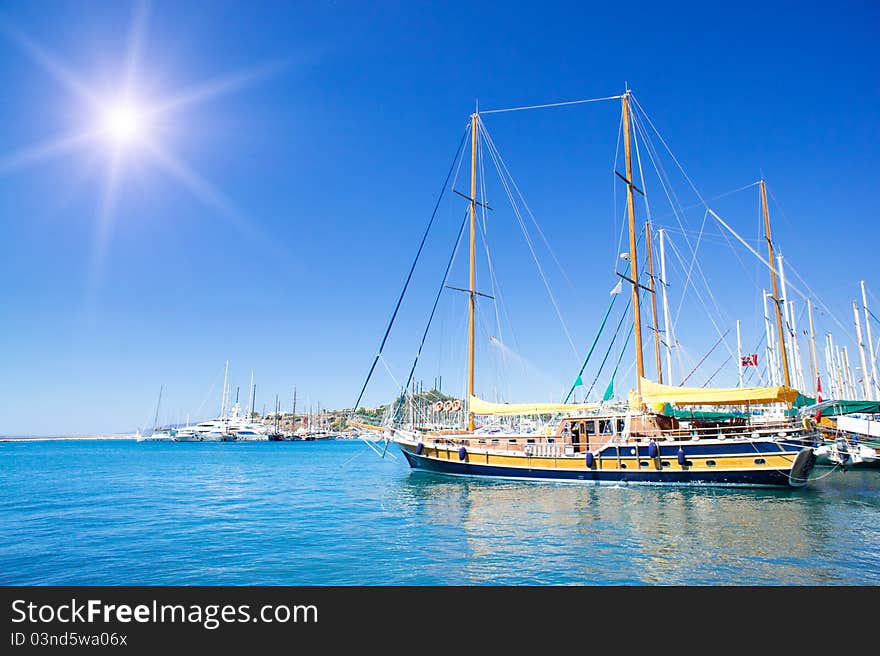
655 393
480 407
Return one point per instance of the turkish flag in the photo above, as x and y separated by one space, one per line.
818 395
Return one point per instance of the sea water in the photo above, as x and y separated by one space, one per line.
120 512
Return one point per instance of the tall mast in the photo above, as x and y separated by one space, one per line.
772 362
829 367
771 260
224 396
814 362
633 256
874 381
653 301
667 329
847 372
739 355
156 418
473 265
865 374
251 396
293 420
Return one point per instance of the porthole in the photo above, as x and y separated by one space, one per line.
664 463
643 463
623 465
710 463
760 461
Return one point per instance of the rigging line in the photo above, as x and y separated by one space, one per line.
485 230
696 191
713 198
614 190
662 176
525 232
669 150
642 179
714 346
790 267
412 268
715 373
690 270
610 346
702 301
622 352
592 346
748 373
492 146
665 184
557 104
436 301
718 236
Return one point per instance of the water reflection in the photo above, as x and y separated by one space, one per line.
548 533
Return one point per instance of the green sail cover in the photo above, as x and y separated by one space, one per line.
850 407
802 401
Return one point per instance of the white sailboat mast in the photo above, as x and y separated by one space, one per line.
739 354
772 367
251 396
830 368
866 376
224 397
875 385
789 336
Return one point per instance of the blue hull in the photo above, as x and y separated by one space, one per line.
754 478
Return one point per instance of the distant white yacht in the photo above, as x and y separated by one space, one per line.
158 435
230 426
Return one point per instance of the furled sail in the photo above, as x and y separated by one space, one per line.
656 393
480 407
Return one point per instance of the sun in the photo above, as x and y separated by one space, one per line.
123 124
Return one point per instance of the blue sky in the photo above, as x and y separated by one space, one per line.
275 220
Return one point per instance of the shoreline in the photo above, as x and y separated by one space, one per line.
46 438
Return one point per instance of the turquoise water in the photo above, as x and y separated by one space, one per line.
333 513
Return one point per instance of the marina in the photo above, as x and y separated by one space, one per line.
320 294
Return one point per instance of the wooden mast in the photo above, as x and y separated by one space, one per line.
653 301
772 262
473 262
633 259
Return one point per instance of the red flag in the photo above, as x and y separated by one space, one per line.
749 360
818 395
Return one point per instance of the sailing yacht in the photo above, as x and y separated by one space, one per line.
157 434
661 434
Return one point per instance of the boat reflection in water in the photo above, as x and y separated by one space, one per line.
564 534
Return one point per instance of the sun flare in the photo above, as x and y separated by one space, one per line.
122 123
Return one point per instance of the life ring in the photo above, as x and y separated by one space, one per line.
438 406
456 405
447 406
